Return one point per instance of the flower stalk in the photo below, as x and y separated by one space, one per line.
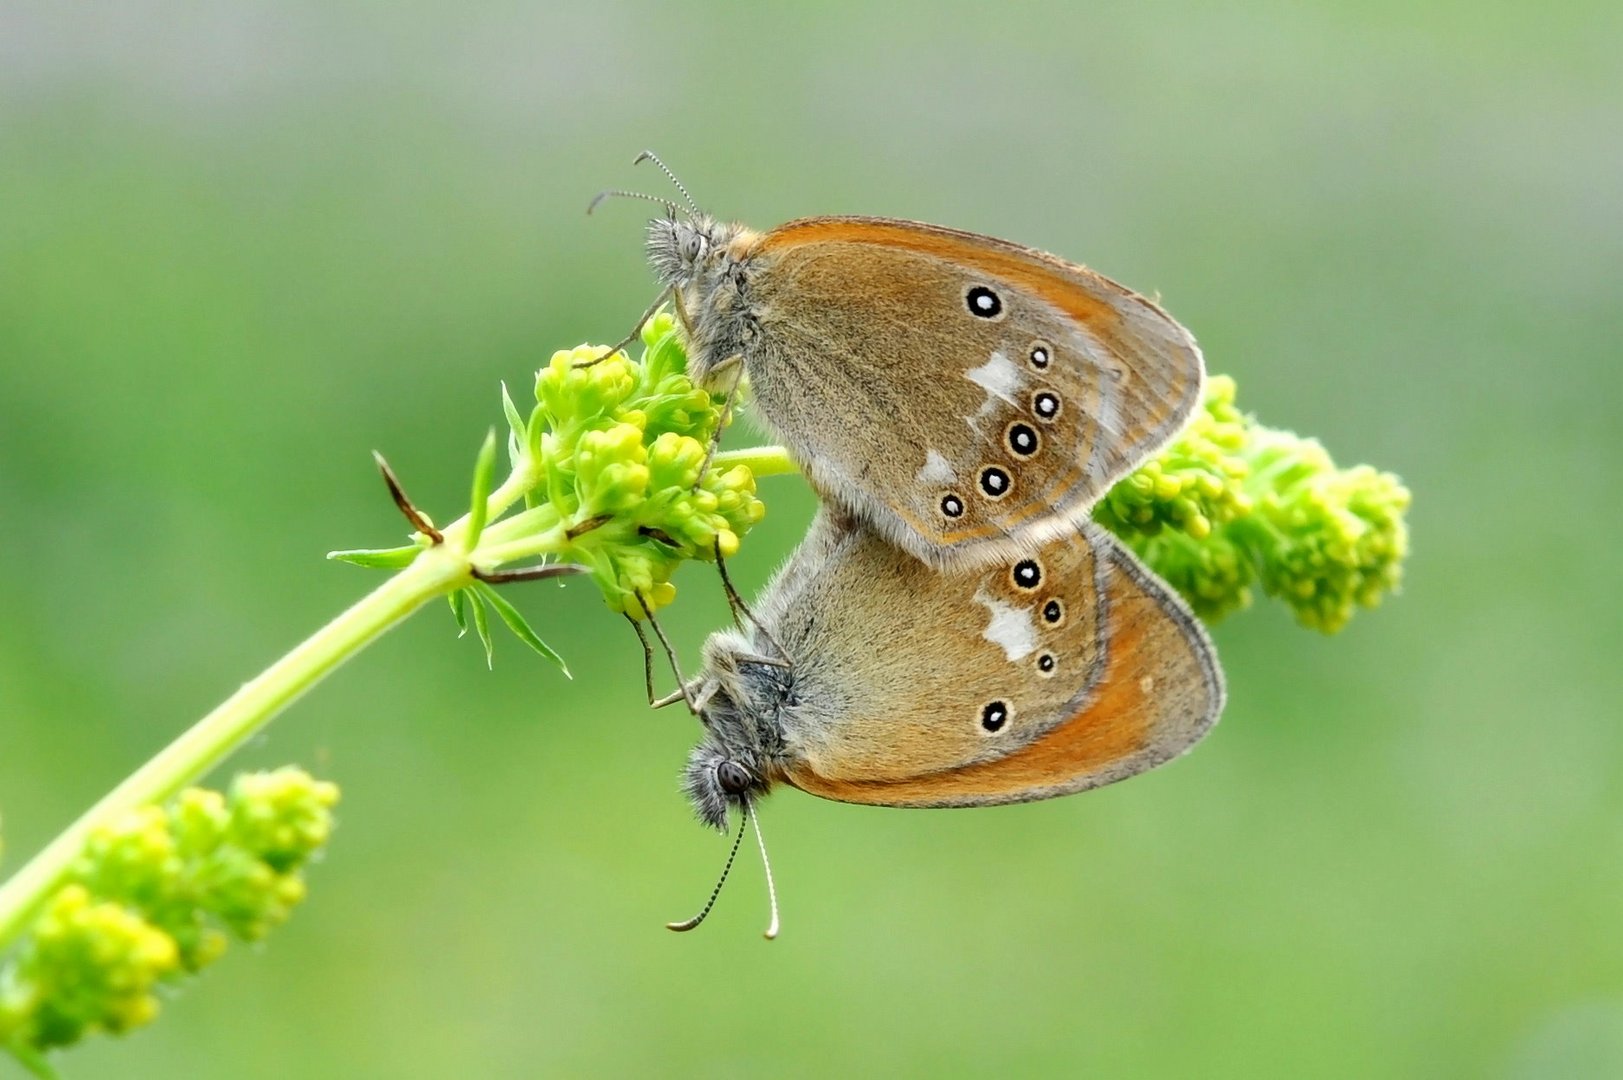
610 475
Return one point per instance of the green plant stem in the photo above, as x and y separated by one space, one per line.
761 460
436 571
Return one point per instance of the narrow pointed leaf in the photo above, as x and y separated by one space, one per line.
484 472
520 627
33 1061
459 611
481 625
516 426
378 558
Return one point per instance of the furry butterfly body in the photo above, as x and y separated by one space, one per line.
964 397
1043 674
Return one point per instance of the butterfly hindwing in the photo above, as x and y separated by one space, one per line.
1044 674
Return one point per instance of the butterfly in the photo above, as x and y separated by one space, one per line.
964 397
867 676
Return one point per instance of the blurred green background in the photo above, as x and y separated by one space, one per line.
242 245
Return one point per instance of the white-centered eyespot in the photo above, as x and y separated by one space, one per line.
1026 574
1045 405
983 303
1023 440
994 716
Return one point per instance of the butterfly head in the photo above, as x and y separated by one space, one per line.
737 761
684 249
717 780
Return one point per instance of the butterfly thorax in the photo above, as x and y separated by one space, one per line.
706 262
742 753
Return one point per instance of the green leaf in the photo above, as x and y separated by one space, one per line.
378 558
516 426
33 1061
459 611
516 623
481 624
484 472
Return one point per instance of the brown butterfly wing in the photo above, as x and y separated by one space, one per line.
920 688
960 435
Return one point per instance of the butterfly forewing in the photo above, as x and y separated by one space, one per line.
965 396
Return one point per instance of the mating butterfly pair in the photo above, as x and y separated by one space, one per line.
954 630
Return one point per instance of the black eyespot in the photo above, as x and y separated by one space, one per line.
1045 663
983 302
952 506
1046 405
732 777
1023 440
1040 354
1027 573
1053 612
994 482
994 716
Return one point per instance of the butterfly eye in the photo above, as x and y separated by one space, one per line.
1045 404
1027 574
1040 354
1045 664
952 506
1053 612
732 777
1023 439
994 716
994 482
983 303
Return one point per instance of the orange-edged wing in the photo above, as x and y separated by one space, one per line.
1153 688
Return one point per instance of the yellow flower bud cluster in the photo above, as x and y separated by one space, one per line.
152 898
622 445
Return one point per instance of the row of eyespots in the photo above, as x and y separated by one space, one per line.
993 482
1023 440
1027 575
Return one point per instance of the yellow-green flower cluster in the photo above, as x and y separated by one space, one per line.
1193 485
1231 504
621 444
153 896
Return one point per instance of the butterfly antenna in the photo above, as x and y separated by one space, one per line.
771 889
636 331
649 155
597 200
689 924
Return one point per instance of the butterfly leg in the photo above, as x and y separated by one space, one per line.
647 658
735 362
686 691
653 308
735 603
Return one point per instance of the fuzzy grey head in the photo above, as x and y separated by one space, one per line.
715 782
679 247
741 754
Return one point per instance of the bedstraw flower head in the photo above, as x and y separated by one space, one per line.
624 451
153 896
1231 504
